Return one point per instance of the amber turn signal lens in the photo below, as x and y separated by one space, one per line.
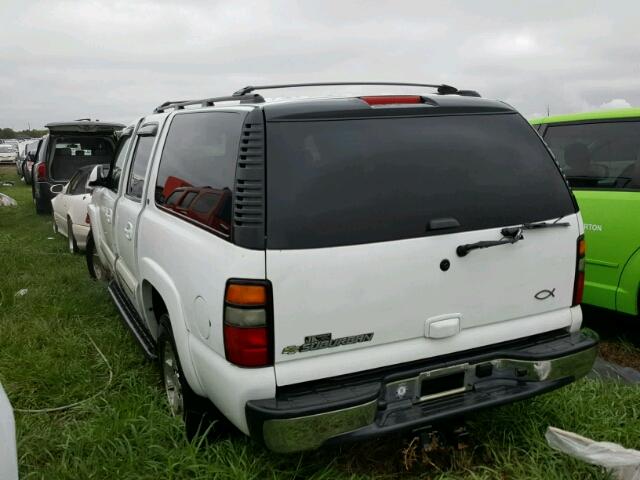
247 295
582 247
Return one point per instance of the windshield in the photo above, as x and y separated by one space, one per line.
602 155
334 183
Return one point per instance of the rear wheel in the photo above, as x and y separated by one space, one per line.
197 412
97 271
73 245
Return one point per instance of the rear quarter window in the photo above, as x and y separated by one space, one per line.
334 183
602 155
200 152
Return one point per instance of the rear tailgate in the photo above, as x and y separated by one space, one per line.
392 300
363 221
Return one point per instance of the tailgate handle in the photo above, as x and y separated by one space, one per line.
442 326
443 223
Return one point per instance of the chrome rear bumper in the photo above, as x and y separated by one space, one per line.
398 402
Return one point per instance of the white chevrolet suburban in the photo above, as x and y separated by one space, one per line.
332 269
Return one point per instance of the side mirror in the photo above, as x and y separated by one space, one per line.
56 188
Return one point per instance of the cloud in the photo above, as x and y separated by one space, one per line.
615 103
117 60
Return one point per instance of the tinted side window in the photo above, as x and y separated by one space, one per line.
121 154
173 198
598 155
81 178
206 202
188 198
138 170
200 152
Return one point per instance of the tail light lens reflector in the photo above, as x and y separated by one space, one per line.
247 332
578 286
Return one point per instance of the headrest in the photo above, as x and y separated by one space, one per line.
576 155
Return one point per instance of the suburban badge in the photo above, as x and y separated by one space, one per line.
324 340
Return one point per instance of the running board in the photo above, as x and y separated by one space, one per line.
133 321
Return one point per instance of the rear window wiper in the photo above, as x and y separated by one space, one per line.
534 226
510 235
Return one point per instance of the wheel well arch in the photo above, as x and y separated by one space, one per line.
154 306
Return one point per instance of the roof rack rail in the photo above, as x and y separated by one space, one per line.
441 88
208 102
244 94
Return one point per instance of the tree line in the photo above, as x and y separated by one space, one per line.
10 133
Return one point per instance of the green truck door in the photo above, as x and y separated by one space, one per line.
601 160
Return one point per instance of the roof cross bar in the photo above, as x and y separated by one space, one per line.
208 102
442 88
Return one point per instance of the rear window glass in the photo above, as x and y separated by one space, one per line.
598 155
69 154
334 183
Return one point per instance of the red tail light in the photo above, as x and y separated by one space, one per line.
392 99
41 172
578 286
247 332
87 220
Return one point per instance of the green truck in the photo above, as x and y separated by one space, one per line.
599 153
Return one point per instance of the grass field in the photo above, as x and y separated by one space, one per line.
47 360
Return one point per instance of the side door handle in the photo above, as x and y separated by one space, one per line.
128 231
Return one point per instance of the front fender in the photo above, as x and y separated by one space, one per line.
628 292
151 272
96 230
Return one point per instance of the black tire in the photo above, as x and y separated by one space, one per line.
197 412
97 271
71 239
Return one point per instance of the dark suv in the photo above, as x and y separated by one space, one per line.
68 147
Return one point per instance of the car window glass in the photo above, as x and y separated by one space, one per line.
78 187
73 182
138 169
604 155
173 198
200 153
70 153
205 202
121 154
188 198
334 183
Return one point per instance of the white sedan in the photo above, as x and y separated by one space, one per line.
8 153
70 217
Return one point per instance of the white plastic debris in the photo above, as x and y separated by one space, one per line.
622 462
22 292
7 201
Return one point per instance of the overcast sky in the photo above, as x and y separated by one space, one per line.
117 60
